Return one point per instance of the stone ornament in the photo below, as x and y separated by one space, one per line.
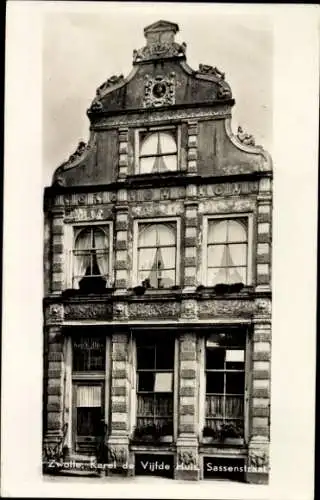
96 104
263 306
159 50
55 313
159 91
154 310
258 458
226 308
245 138
88 311
117 456
205 69
189 309
187 458
81 148
119 310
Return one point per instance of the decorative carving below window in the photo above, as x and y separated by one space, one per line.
88 311
159 91
54 313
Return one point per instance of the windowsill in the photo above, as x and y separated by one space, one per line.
151 440
76 292
219 442
213 291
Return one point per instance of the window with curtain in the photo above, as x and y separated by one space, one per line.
225 385
158 152
157 249
91 254
155 368
227 251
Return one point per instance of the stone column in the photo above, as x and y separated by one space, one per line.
260 403
264 236
58 251
56 428
187 460
121 245
118 442
190 242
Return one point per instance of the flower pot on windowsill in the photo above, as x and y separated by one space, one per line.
92 284
139 290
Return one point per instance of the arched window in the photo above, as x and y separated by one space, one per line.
158 152
91 254
157 254
227 252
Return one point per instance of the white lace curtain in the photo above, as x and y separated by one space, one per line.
157 254
90 244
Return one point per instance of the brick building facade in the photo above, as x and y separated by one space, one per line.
157 267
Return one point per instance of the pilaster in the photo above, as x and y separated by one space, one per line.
123 153
191 242
187 460
58 261
258 456
264 235
121 245
118 442
57 426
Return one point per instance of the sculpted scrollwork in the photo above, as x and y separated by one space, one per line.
159 50
159 91
226 308
81 148
88 311
154 310
205 69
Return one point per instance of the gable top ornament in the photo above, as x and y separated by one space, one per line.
160 37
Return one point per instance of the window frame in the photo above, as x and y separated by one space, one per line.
230 216
155 220
70 247
137 143
76 378
247 383
174 392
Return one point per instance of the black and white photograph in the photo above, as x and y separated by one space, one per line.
158 247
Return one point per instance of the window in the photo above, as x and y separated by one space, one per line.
91 256
157 254
225 385
155 367
88 375
157 151
227 251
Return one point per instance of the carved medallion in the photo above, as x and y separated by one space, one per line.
159 91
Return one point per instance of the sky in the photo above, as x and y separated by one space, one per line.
81 50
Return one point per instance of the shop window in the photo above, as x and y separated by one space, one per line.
225 386
155 374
